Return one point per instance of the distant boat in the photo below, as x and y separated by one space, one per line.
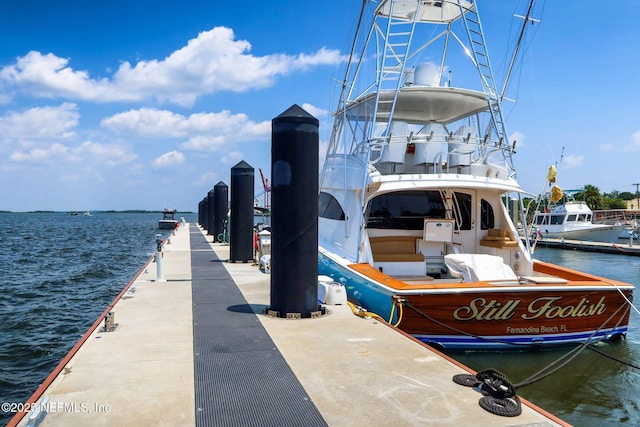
87 213
573 221
72 213
168 221
629 218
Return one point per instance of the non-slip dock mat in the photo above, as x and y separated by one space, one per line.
241 379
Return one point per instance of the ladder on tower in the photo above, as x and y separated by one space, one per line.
397 44
478 48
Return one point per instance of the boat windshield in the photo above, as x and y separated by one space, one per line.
549 219
405 209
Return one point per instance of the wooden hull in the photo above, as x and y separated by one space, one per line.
529 318
483 315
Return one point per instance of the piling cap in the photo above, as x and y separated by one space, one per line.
242 165
295 113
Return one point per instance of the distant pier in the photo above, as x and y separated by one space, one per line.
621 248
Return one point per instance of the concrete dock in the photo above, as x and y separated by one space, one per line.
197 350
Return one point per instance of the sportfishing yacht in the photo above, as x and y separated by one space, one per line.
419 197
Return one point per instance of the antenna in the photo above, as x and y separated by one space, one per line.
561 156
637 185
526 19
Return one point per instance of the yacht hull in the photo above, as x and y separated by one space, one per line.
504 315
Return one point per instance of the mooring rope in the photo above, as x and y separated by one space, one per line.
499 394
615 359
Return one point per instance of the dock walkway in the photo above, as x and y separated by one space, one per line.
197 350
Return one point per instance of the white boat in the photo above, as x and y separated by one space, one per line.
629 232
168 221
413 211
573 220
629 218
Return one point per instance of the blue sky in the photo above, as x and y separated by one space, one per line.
114 104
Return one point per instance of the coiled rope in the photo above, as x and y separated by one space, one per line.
499 394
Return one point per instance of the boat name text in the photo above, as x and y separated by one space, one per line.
540 308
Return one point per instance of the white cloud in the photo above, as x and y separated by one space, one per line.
151 122
572 161
231 157
205 143
52 154
213 61
40 123
106 154
203 131
314 111
172 158
519 138
49 76
634 145
147 122
206 178
87 152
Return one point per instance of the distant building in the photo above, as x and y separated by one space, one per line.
633 204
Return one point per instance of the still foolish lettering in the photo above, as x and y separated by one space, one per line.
540 308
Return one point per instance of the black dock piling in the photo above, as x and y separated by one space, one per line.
201 213
241 222
294 215
220 210
210 212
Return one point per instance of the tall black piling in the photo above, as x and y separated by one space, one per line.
210 211
201 213
220 210
241 222
294 215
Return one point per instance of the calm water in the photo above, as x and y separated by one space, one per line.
58 273
592 390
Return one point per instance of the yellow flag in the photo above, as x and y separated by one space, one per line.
556 193
551 176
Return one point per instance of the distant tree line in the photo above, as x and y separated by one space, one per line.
597 201
591 195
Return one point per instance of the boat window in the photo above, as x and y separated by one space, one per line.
487 219
404 209
463 202
572 218
582 217
549 219
329 207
